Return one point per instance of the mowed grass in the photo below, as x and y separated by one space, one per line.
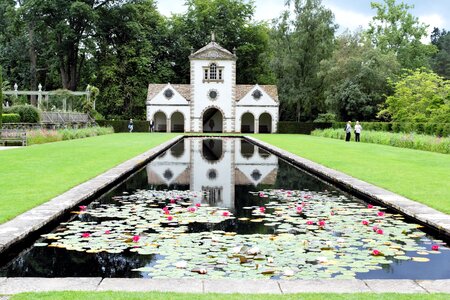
182 296
32 175
418 175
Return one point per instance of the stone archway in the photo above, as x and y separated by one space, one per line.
212 120
247 123
160 120
265 123
177 122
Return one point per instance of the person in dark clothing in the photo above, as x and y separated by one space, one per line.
130 125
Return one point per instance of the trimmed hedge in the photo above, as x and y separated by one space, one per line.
402 140
10 118
438 129
301 127
28 113
122 125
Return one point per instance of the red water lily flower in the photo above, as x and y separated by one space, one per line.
173 201
435 247
82 207
375 252
198 204
309 222
136 238
370 206
262 209
169 218
226 213
321 223
86 234
380 231
380 213
365 222
166 212
107 231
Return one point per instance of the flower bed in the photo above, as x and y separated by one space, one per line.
42 136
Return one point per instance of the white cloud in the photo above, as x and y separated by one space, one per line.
433 20
348 19
169 7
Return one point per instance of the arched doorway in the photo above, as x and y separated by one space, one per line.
177 122
247 123
160 120
212 120
265 123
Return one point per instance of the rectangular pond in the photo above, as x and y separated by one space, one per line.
224 208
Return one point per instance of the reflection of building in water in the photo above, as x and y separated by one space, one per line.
214 166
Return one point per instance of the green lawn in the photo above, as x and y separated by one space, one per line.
180 296
32 175
418 175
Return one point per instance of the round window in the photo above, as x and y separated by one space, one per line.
257 94
212 174
168 93
212 94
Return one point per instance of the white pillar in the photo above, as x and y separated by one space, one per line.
256 125
169 125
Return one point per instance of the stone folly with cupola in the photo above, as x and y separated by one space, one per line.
213 102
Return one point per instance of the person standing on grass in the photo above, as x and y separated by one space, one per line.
130 125
358 129
151 125
348 131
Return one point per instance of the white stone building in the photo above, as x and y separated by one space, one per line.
213 102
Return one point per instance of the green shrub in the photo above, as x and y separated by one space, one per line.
122 125
438 129
42 136
325 118
300 127
28 113
402 140
10 118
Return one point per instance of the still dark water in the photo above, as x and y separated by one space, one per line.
227 171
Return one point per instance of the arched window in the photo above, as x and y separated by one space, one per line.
213 71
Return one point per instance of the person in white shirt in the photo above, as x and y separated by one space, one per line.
348 131
358 129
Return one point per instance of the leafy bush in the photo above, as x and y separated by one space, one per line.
300 127
28 113
325 118
10 118
42 136
402 140
122 125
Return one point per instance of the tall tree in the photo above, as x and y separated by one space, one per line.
231 21
132 50
395 29
1 97
356 78
299 43
440 62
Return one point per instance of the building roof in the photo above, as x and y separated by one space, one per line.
155 88
212 51
243 89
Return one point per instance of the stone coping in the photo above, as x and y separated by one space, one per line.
35 219
14 285
420 212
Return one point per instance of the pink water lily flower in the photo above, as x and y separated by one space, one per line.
198 204
261 194
299 209
321 223
169 218
375 228
173 201
166 212
370 206
107 231
380 213
375 252
309 222
191 209
82 207
365 222
307 196
136 238
86 234
226 213
262 209
165 208
435 247
332 213
380 231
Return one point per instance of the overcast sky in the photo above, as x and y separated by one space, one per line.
348 13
